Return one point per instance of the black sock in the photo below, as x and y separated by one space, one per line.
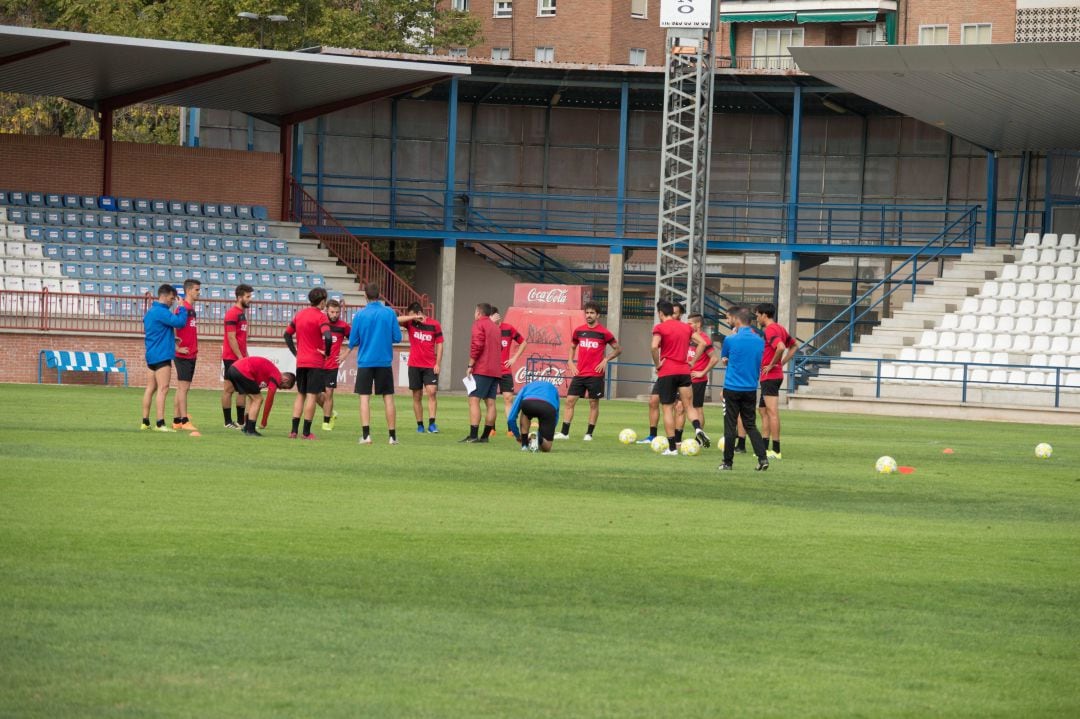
326 419
589 429
227 411
697 424
740 443
176 420
524 440
431 420
652 431
185 420
419 424
776 446
393 434
366 429
161 423
249 425
146 421
241 412
489 429
671 443
295 425
307 427
473 429
678 435
566 428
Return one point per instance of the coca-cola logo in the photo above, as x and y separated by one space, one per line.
554 375
553 296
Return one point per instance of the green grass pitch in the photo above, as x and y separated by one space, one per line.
152 575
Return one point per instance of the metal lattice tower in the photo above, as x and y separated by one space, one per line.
684 184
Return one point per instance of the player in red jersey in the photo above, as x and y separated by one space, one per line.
654 396
701 364
587 365
779 349
187 351
339 333
235 348
670 347
425 361
249 375
313 344
508 336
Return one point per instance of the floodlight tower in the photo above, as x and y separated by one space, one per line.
686 142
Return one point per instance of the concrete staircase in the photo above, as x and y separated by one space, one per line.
339 280
961 279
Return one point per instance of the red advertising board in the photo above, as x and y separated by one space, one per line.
553 297
547 332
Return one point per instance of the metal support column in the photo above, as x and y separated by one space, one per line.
445 300
393 161
194 119
320 158
614 302
298 153
991 198
793 174
451 157
285 147
1048 194
620 192
105 134
250 133
685 153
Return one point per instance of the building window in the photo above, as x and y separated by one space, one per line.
975 34
770 48
461 5
871 35
500 53
637 56
933 34
459 52
504 8
545 8
545 54
639 8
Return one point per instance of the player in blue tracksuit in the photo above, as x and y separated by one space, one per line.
160 324
536 400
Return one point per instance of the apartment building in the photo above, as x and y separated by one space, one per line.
754 35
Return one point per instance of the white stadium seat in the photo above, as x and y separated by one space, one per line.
1074 361
1002 343
1007 308
924 373
1020 343
964 341
949 322
1040 343
1035 377
1043 325
1029 256
1064 274
1057 360
1009 272
1048 256
926 354
35 251
987 323
943 355
1045 274
51 284
945 339
1044 308
1016 376
989 288
1076 292
1032 239
999 358
928 339
1040 360
1062 292
1065 310
998 376
984 341
1066 256
962 356
1024 310
14 249
16 232
909 354
1008 290
52 269
989 306
1068 240
888 370
942 374
1025 290
32 284
1028 273
1072 379
1044 291
981 357
970 305
1059 345
968 322
13 283
69 286
1049 240
979 374
33 268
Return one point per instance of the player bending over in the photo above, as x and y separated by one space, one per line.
537 400
248 376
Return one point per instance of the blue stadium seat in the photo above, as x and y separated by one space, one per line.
125 222
177 224
144 222
89 288
125 273
244 228
216 293
89 219
193 208
71 269
264 246
196 274
266 279
88 253
143 206
283 280
260 229
227 209
107 203
106 220
211 243
143 239
300 281
247 262
107 272
161 274
263 262
54 217
89 236
280 247
245 245
228 227
298 264
212 259
88 271
53 235
317 281
144 289
194 224
178 242
159 257
107 288
178 258
35 199
196 258
16 215
211 210
178 276
125 204
72 235
53 252
230 260
144 257
231 277
159 207
211 227
106 254
54 200
160 224
214 277
70 252
281 263
285 296
266 295
195 242
3 197
126 289
72 217
88 202
176 207
35 234
125 238
248 278
258 212
228 244
35 217
144 273
160 239
106 237
243 212
16 198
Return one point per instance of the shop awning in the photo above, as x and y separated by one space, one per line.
859 16
757 17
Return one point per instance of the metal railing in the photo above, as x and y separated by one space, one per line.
960 231
353 252
61 312
758 62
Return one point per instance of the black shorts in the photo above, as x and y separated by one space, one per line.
506 383
591 387
185 369
668 387
699 393
330 378
243 385
374 380
309 380
541 410
769 388
420 376
486 387
158 365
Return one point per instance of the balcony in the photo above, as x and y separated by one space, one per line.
768 64
773 7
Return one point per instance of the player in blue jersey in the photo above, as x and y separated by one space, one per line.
540 401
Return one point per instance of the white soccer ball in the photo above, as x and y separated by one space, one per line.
690 448
628 436
659 444
885 465
1043 450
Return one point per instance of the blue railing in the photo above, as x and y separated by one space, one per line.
960 231
610 379
965 382
419 204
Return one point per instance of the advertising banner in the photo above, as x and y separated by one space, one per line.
547 332
555 297
686 13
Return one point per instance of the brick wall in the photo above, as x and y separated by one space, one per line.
580 32
628 31
954 13
58 164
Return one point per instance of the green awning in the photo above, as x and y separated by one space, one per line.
859 16
757 17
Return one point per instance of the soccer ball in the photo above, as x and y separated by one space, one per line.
1043 450
628 436
659 444
885 465
690 448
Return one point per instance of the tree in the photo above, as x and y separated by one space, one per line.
387 25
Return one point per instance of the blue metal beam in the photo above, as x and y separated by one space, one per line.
991 198
793 179
320 157
451 155
620 192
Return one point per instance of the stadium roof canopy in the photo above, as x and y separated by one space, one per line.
106 72
1001 97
